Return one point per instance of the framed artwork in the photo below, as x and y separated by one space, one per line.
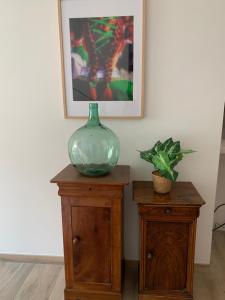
102 56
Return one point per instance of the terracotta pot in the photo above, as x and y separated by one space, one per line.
161 184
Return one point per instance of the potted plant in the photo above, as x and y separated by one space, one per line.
164 156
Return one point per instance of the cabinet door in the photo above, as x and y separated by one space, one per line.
91 230
165 255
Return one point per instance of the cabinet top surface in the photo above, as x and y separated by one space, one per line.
120 175
182 194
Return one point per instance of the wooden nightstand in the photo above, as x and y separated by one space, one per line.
92 233
167 240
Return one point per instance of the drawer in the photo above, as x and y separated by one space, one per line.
90 190
149 212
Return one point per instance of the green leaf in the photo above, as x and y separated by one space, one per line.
188 151
96 30
176 160
172 175
174 150
107 35
123 89
98 22
103 22
158 147
82 52
167 144
147 155
162 163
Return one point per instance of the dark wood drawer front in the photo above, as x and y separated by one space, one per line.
169 211
89 191
165 255
91 229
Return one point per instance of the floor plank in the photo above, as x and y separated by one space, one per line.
10 290
40 282
209 282
58 290
7 272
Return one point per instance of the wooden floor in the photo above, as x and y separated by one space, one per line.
23 281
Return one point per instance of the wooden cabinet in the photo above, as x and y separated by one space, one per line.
92 233
167 240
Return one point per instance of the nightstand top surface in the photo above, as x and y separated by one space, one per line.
182 194
120 175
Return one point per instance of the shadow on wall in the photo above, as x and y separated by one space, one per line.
220 194
223 132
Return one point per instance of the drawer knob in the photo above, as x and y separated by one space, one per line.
150 255
168 211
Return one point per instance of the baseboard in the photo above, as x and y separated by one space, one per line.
202 265
131 263
42 259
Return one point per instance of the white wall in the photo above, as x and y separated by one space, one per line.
185 75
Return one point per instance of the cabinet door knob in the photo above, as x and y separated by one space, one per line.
76 240
168 210
150 255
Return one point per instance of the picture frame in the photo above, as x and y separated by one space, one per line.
102 57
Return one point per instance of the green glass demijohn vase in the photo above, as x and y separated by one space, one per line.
94 149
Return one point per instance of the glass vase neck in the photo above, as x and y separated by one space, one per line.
93 119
